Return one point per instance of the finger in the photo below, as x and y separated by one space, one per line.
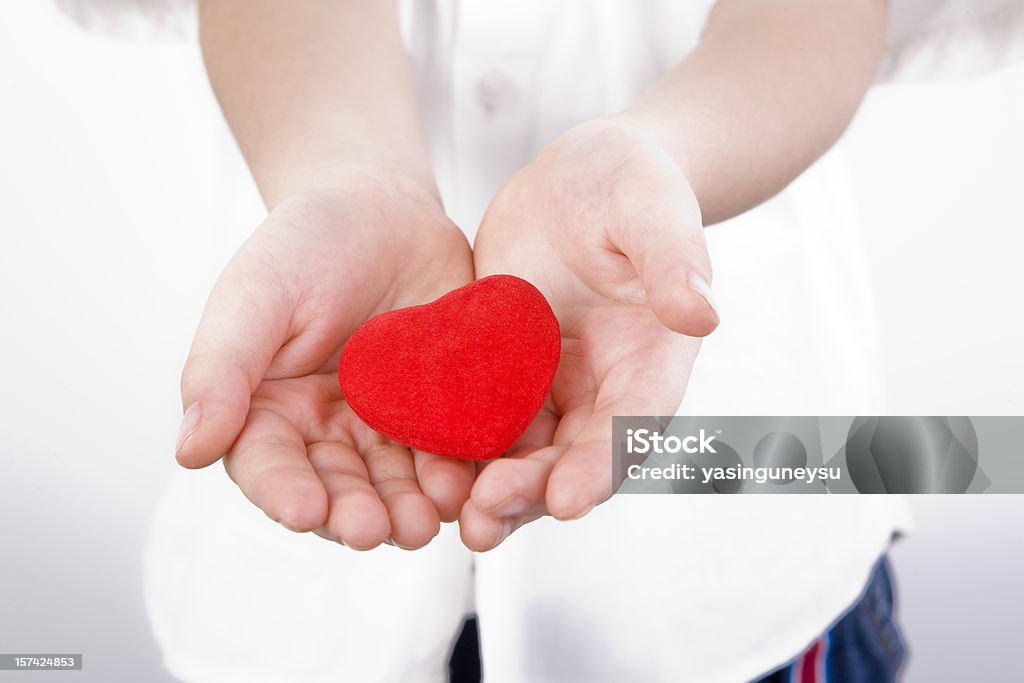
538 434
644 382
481 531
667 248
244 323
509 491
269 464
514 485
414 519
573 489
356 515
446 482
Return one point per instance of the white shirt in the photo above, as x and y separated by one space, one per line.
649 588
645 588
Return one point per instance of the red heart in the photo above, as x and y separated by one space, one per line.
461 376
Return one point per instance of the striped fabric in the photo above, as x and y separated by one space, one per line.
864 646
810 666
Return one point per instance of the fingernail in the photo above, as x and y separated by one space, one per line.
503 532
701 286
513 506
189 422
582 513
392 541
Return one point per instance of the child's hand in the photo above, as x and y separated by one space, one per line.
607 227
317 267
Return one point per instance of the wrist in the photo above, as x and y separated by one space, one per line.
388 181
666 131
665 135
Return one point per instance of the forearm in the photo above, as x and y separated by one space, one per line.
769 89
313 90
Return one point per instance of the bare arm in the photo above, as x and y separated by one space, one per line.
770 87
610 227
319 95
314 89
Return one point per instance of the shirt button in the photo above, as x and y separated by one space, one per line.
495 91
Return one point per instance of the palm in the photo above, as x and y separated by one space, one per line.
366 482
313 272
618 357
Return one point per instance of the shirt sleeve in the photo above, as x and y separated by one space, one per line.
134 19
951 39
927 39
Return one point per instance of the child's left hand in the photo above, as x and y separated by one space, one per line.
607 227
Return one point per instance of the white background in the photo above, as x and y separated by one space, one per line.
120 207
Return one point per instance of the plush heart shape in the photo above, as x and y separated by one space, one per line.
461 376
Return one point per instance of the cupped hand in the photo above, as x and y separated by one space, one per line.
607 227
260 384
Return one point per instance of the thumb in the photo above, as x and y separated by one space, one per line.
243 325
668 250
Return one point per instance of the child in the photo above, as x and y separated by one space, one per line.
608 135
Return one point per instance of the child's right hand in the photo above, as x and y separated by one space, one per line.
260 383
